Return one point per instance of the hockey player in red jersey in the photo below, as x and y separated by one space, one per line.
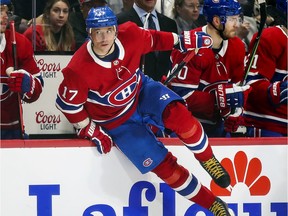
109 100
208 81
25 81
266 110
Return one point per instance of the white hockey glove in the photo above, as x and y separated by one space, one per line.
96 134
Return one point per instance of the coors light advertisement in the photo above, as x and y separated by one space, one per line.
42 117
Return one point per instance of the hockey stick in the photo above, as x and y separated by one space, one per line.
178 67
15 63
263 14
13 41
263 18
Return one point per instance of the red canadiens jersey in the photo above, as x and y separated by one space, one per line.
26 61
205 71
107 92
269 65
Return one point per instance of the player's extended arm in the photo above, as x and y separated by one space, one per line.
72 94
190 41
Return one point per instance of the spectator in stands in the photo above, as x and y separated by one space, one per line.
154 64
55 32
20 80
24 12
207 82
187 15
77 19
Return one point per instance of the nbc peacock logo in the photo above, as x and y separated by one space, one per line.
245 177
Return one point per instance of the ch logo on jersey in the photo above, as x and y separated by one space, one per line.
147 162
125 92
4 91
221 69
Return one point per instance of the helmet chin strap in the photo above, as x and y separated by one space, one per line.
221 32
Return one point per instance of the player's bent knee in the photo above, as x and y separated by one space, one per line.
171 172
178 118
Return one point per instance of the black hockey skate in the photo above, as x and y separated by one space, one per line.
217 172
219 208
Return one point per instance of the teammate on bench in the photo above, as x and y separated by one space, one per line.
208 82
21 83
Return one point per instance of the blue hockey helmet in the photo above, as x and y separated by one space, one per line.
101 17
281 5
221 8
278 13
5 2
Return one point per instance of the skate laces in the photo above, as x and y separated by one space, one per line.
218 209
213 167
